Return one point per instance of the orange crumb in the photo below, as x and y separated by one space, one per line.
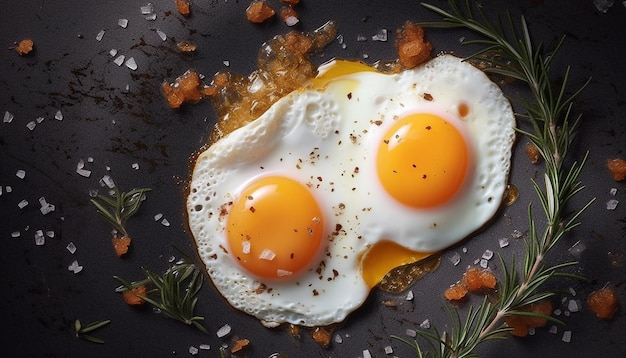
456 292
288 15
291 2
239 345
183 7
521 324
132 297
617 168
322 337
532 152
24 47
185 88
603 303
297 43
413 50
186 46
121 244
476 280
259 11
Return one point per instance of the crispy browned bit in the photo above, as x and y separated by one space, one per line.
617 167
294 330
183 7
121 244
186 46
259 11
456 292
185 88
290 2
413 49
289 15
239 345
477 280
532 152
521 324
132 298
321 336
603 303
24 47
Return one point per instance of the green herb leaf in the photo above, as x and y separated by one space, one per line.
81 331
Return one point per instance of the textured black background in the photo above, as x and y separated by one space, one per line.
72 72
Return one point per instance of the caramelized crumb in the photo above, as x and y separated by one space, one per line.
289 15
291 2
259 11
617 168
183 7
185 88
520 324
456 292
413 50
603 303
186 46
239 345
477 280
321 336
121 244
532 152
24 47
132 298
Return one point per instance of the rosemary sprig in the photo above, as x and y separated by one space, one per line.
512 53
174 292
120 206
82 331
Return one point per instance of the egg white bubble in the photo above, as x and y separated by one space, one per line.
328 139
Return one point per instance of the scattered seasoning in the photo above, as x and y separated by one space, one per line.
75 267
71 248
259 11
130 63
239 345
161 34
289 15
223 331
603 303
186 46
520 324
122 23
413 49
183 7
20 174
8 117
100 35
322 337
532 152
132 296
617 167
24 47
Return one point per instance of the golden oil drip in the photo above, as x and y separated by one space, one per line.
510 194
400 278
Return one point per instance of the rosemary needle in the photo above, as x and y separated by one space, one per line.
512 54
81 331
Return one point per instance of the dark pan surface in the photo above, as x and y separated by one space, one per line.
118 127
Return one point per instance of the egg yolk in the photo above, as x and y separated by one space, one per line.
275 228
422 160
383 257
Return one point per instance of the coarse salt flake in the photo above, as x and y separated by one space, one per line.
455 259
193 350
388 350
381 35
487 255
8 117
361 38
223 331
122 22
338 339
553 329
20 173
8 189
283 273
267 254
425 324
484 263
22 204
611 204
567 336
411 332
50 234
613 191
75 267
31 125
577 249
39 119
131 63
367 354
113 52
15 234
165 222
147 9
59 115
245 247
409 296
135 166
531 331
204 346
161 34
100 35
80 169
158 217
503 242
106 180
291 20
71 248
40 240
226 63
573 306
119 60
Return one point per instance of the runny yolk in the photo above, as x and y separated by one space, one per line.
422 160
275 228
383 257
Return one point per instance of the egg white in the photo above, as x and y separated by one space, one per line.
327 139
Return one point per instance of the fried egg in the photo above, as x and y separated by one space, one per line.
298 214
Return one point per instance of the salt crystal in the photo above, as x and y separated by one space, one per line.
100 35
8 117
381 35
411 332
338 339
22 204
557 312
8 189
158 217
613 191
531 331
461 39
366 56
15 234
487 255
58 116
223 331
40 240
108 181
361 38
165 222
130 63
567 313
161 34
484 263
119 60
504 242
425 324
46 208
71 248
516 234
267 254
367 354
464 249
147 9
283 273
226 63
409 296
50 234
20 174
123 22
572 291
611 204
572 306
553 329
112 52
193 350
567 336
245 247
603 5
135 166
624 3
455 259
39 119
291 20
0 190
31 125
577 249
205 347
75 267
80 169
340 38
